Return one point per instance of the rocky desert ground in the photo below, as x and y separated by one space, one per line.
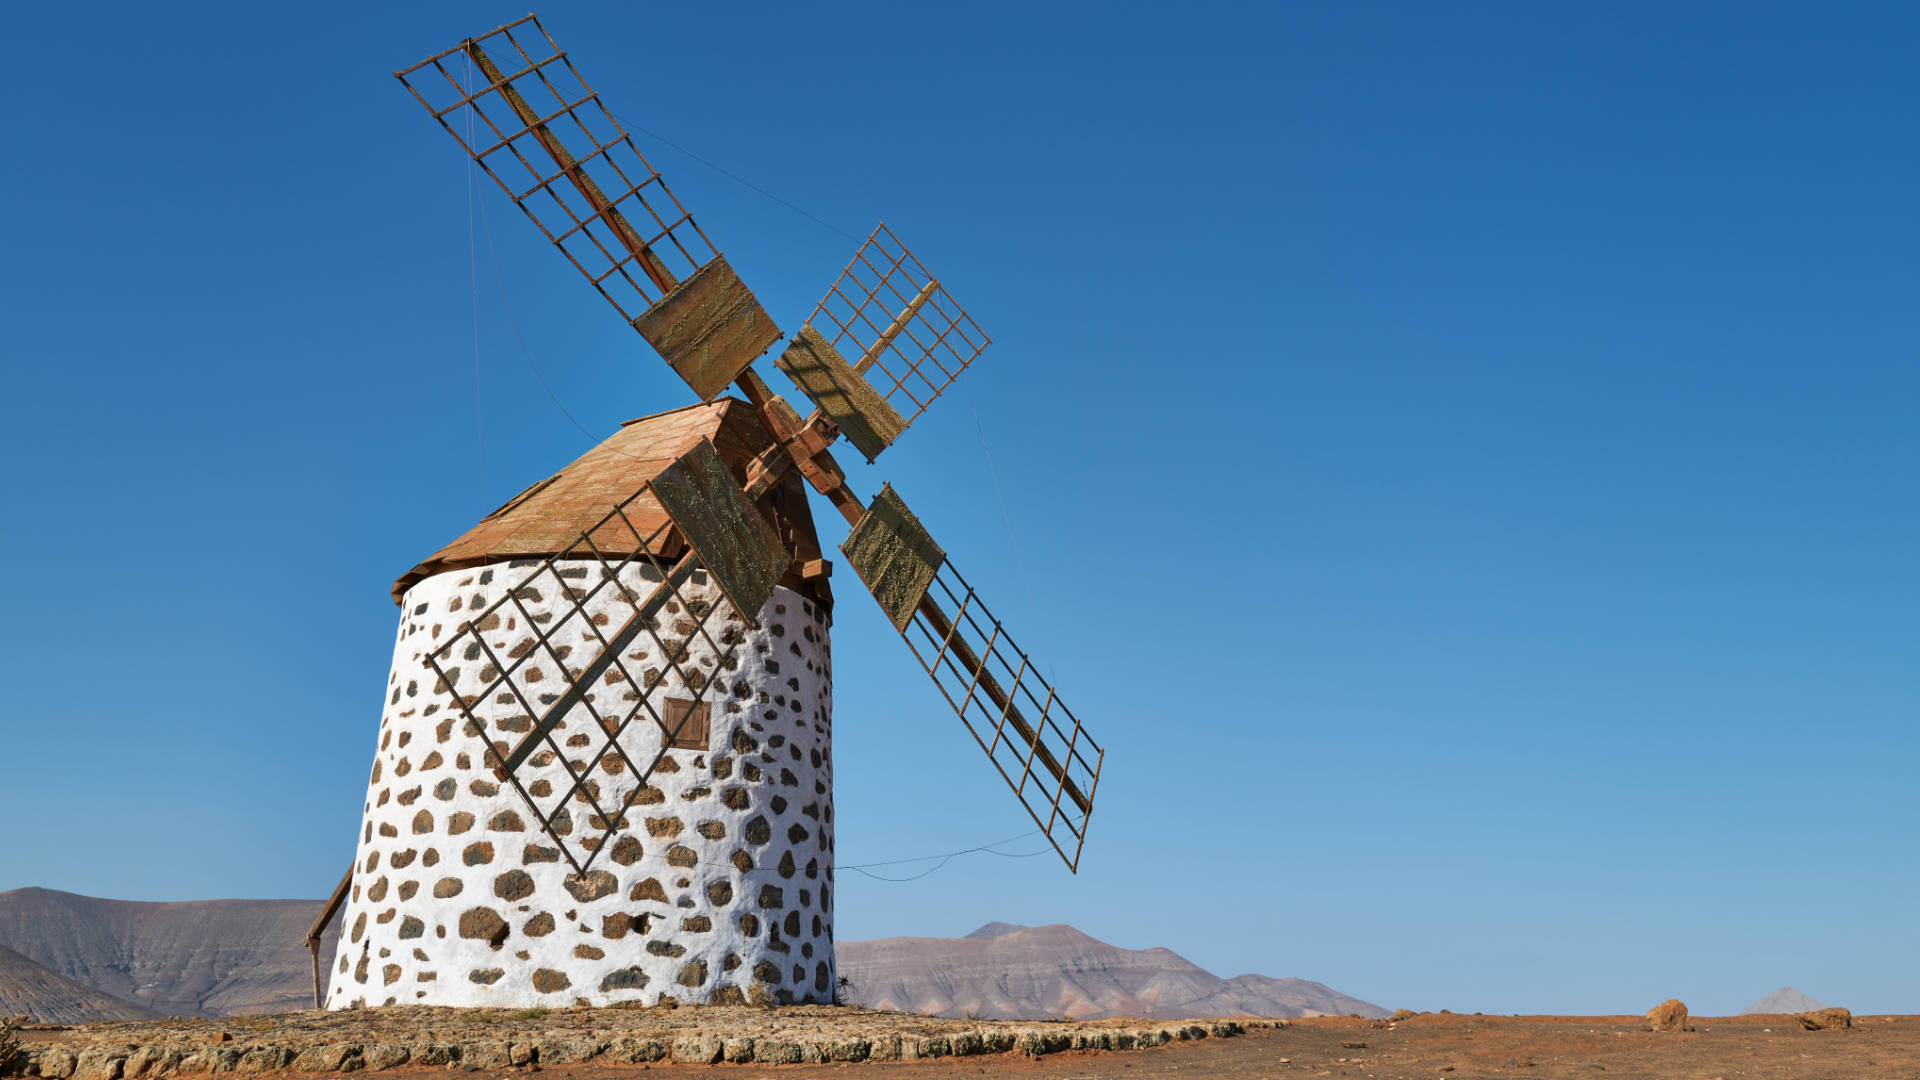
815 1041
411 1038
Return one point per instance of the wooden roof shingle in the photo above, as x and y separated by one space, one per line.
549 517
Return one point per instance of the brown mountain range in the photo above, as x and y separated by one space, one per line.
191 958
27 989
70 958
1007 972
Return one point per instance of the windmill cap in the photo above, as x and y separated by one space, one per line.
549 516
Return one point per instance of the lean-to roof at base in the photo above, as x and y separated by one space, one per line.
548 517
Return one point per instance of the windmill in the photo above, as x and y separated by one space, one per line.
604 769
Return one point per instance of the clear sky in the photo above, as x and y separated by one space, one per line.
1459 458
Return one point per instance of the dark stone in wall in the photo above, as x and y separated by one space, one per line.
549 981
484 924
596 884
513 885
631 978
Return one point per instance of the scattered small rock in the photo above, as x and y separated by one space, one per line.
1826 1019
1669 1015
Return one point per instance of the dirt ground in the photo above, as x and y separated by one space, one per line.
1436 1047
1432 1046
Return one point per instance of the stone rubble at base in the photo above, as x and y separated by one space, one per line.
695 1047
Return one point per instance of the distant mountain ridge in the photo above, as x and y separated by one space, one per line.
1007 972
67 958
44 997
189 958
1784 1000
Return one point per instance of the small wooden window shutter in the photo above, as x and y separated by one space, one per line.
692 720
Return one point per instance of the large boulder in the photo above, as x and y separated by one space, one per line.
1669 1015
1826 1019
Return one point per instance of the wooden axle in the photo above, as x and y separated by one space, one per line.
804 444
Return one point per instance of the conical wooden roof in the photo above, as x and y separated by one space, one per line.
548 517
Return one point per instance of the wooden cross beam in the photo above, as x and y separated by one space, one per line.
603 207
899 323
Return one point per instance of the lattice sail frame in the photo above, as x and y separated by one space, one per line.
915 361
688 653
1065 797
965 651
519 157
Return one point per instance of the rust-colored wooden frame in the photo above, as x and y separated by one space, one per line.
968 655
608 211
505 760
912 338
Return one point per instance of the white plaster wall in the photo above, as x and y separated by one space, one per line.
721 880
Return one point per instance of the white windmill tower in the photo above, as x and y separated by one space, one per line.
604 770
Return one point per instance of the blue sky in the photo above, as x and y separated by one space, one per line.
1459 460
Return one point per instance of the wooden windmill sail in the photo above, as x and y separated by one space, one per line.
610 642
615 220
